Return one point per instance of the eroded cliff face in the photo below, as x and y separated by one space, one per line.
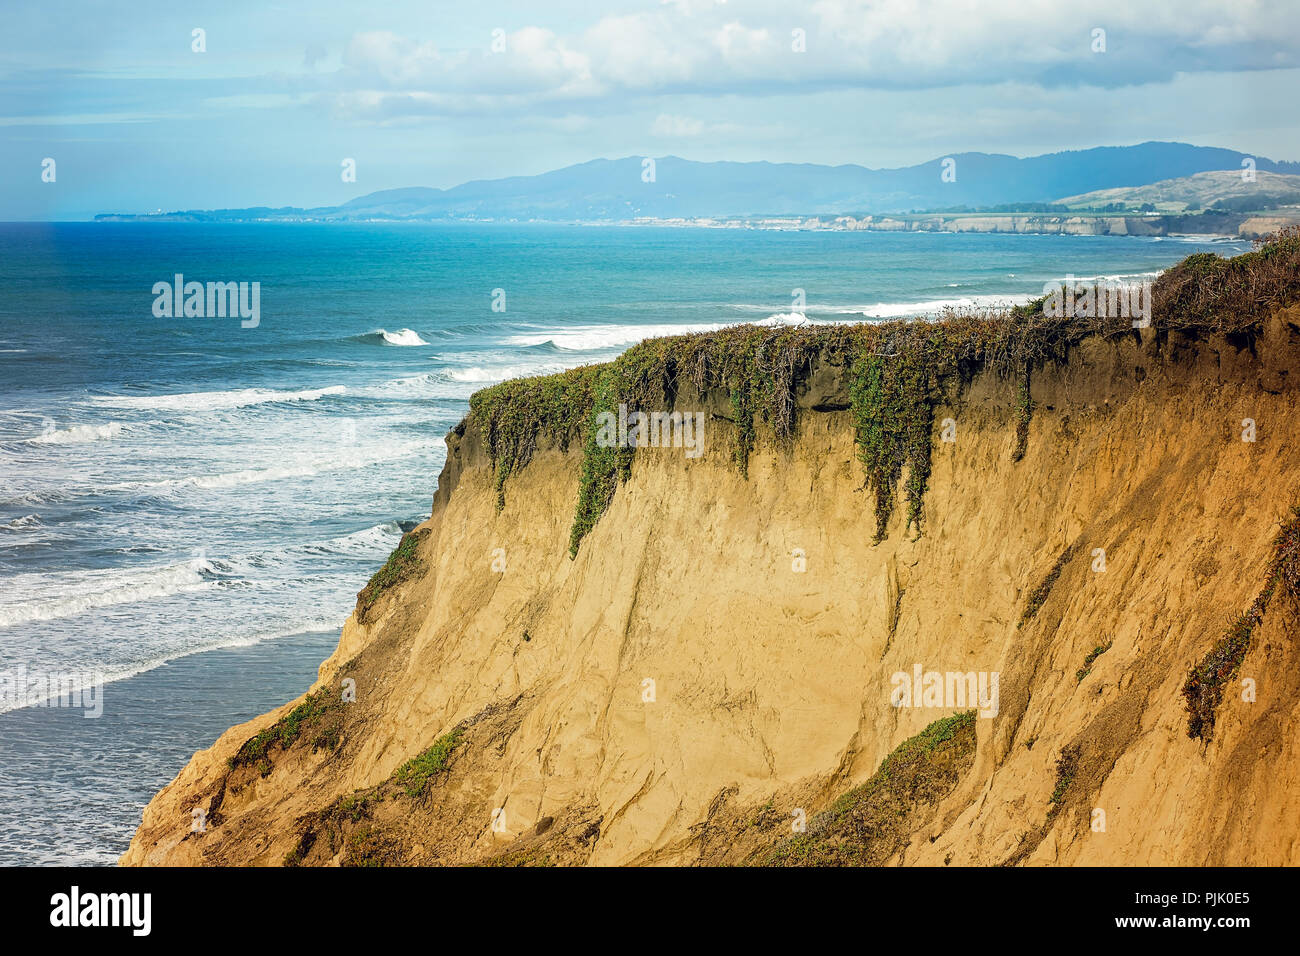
771 627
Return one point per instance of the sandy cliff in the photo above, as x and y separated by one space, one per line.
502 708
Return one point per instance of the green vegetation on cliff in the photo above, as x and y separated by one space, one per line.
867 825
415 774
1067 768
1203 689
356 829
898 372
403 564
515 414
1039 594
319 714
1090 659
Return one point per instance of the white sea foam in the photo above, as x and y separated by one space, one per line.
25 523
78 592
71 593
499 373
378 538
410 386
78 433
589 338
793 318
1117 277
1205 238
211 401
595 338
898 310
373 543
380 535
402 337
45 496
775 316
304 468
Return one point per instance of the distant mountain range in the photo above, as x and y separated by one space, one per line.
617 189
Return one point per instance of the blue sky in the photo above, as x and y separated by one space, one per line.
136 120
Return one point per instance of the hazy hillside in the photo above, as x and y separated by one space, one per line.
614 189
1224 189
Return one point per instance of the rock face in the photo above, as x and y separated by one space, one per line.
719 658
1215 222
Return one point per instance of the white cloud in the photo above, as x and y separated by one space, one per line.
710 48
644 50
738 42
667 125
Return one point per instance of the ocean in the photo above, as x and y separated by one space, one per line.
188 506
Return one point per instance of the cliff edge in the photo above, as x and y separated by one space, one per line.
743 651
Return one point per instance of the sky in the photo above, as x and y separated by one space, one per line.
137 118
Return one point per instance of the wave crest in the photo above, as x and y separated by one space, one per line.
96 589
77 433
402 337
215 401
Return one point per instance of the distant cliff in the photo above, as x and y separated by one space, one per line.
601 654
1240 225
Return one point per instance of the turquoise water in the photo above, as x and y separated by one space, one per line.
177 488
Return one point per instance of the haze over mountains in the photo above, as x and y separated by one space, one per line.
617 189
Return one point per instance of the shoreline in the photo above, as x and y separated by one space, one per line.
90 779
1237 227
